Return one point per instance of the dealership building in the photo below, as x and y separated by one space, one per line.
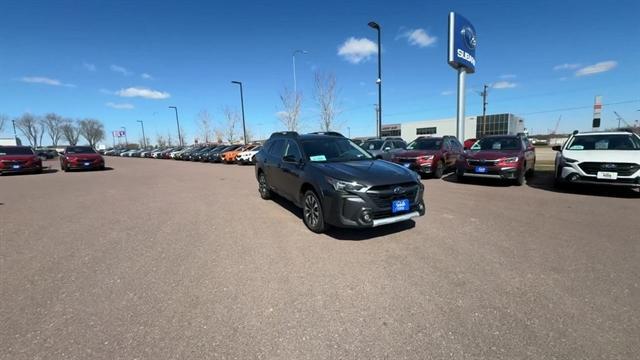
474 127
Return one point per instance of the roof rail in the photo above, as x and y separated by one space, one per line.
328 133
575 132
284 134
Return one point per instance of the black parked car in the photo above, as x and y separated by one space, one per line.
336 182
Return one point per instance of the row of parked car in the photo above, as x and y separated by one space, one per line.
215 153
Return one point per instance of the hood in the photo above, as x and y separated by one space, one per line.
367 172
18 157
491 154
626 156
88 155
415 153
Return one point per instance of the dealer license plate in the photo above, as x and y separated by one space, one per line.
16 166
481 169
406 165
606 175
400 205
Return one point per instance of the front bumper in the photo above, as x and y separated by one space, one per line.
492 172
22 169
367 210
421 168
573 174
81 165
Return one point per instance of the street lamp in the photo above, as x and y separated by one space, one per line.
376 26
177 123
349 132
144 138
126 142
244 129
295 85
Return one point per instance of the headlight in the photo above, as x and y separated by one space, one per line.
340 185
509 160
426 157
569 160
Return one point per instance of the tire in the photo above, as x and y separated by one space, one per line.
312 214
519 181
439 170
460 175
558 183
532 171
263 187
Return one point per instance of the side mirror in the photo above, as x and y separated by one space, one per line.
556 148
289 158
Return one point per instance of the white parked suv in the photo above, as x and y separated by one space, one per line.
247 157
606 158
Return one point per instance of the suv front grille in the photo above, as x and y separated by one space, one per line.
482 162
382 196
623 169
405 160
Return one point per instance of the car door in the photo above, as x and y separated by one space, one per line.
272 162
290 176
455 150
387 150
529 154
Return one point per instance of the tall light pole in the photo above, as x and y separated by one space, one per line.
349 132
244 129
178 124
126 142
15 135
144 138
295 85
376 26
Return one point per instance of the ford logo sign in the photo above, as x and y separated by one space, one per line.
609 166
469 37
399 190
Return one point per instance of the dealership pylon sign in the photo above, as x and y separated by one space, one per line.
461 55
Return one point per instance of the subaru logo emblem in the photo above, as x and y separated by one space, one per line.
399 190
469 37
609 166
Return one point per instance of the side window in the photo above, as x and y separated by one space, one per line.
293 150
456 145
399 144
387 144
277 148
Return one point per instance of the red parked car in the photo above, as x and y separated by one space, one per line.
17 159
508 157
81 157
430 155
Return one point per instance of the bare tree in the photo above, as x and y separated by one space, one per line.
53 125
169 139
160 141
290 114
70 131
3 120
204 123
183 136
232 119
326 97
30 126
92 130
219 135
249 136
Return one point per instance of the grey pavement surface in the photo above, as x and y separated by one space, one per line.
159 259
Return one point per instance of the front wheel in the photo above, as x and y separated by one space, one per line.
520 179
439 170
263 187
460 175
313 216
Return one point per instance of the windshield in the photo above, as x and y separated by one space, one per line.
498 144
333 149
604 142
17 150
425 144
80 150
372 144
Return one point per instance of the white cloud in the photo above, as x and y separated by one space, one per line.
597 68
447 93
120 106
120 69
566 66
508 76
143 93
503 85
419 37
357 50
89 66
146 76
44 80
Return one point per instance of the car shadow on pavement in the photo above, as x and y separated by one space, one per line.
348 234
543 180
107 168
475 181
44 171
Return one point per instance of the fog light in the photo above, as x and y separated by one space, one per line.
366 216
574 177
420 207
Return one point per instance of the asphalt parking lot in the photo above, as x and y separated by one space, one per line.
160 259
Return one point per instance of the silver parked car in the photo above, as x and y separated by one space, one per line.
384 148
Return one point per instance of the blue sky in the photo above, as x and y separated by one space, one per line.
89 59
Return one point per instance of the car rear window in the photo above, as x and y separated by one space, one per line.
15 150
